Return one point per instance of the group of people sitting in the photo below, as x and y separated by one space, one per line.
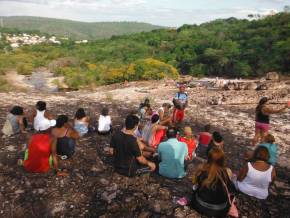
54 139
153 141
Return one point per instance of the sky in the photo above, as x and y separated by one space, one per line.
171 13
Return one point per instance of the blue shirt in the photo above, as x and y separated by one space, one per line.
172 154
273 152
182 97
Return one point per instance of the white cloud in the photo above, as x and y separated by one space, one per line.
164 13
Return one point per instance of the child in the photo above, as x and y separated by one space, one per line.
204 138
268 143
105 123
272 148
81 122
180 102
189 140
217 141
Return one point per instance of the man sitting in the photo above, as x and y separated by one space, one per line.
172 154
126 150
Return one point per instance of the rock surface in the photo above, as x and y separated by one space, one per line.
93 189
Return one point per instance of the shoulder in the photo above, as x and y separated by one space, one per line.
181 139
162 145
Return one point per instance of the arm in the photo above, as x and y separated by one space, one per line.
20 123
159 127
273 174
268 110
54 154
48 115
33 114
142 160
161 114
243 173
72 132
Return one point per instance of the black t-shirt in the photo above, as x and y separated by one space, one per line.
126 150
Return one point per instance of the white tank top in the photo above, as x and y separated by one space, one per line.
256 183
41 123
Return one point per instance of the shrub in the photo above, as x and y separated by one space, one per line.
24 69
4 85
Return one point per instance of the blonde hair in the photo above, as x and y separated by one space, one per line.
188 129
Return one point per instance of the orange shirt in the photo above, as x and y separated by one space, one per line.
191 144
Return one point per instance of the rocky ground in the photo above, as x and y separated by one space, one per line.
93 189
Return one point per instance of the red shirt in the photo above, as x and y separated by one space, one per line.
191 145
204 138
38 154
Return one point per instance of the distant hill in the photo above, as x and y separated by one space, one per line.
76 29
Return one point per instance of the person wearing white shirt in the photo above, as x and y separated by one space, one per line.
105 123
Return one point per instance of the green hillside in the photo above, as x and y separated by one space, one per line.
76 29
225 47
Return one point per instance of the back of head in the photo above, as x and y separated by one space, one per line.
217 137
187 130
131 122
17 110
207 128
147 101
269 139
166 105
216 156
154 118
262 101
171 132
261 153
215 167
41 105
105 112
80 114
61 120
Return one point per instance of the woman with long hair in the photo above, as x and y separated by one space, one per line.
212 180
262 125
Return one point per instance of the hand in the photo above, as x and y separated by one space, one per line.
152 166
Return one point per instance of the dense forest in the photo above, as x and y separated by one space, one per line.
225 47
75 29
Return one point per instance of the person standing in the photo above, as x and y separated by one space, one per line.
262 125
180 102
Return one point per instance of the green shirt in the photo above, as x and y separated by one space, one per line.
172 154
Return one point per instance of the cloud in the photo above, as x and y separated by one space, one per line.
161 12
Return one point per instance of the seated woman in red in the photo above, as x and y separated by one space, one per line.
153 132
38 156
